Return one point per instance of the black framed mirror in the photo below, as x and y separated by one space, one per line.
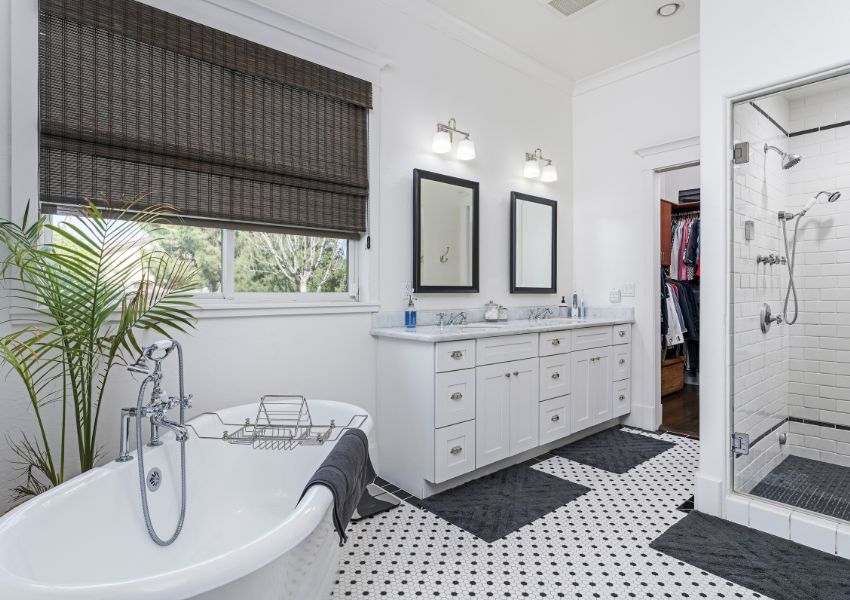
534 244
445 233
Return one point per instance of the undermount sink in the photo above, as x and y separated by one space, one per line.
484 326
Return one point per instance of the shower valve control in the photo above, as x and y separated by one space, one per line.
771 259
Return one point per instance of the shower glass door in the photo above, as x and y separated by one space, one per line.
791 297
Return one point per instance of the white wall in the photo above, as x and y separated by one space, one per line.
431 77
678 179
613 214
765 26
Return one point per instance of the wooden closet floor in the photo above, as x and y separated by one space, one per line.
680 411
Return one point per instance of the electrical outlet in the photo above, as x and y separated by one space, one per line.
628 289
614 295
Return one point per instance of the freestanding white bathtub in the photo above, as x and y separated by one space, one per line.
244 536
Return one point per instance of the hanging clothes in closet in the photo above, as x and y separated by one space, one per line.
685 253
680 307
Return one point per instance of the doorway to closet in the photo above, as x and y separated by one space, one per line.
679 273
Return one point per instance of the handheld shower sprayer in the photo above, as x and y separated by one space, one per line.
791 251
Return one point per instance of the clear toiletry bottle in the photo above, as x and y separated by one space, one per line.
410 314
563 308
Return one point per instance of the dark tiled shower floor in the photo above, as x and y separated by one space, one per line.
810 484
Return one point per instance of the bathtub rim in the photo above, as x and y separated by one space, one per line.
215 572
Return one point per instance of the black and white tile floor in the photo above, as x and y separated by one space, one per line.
596 546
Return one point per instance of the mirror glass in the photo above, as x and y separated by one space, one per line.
533 244
445 233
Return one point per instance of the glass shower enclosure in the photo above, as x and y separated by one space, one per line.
790 278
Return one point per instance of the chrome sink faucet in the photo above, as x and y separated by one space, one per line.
536 314
457 319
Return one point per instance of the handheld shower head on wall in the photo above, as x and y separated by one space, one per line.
788 160
830 197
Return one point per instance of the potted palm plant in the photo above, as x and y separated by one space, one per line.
81 292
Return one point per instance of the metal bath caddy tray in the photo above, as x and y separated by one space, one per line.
282 423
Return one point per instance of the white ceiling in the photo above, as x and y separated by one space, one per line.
603 35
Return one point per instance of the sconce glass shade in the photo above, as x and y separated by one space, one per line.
442 142
549 173
466 149
531 169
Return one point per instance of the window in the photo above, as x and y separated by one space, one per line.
261 155
278 262
270 263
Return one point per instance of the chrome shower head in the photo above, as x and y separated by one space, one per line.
831 196
788 160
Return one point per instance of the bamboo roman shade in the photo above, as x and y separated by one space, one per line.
135 100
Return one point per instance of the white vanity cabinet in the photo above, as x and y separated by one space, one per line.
448 408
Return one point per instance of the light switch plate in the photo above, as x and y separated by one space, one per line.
614 295
628 290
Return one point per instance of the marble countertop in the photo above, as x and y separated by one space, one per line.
433 333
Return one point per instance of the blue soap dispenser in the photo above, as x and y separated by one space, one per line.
410 313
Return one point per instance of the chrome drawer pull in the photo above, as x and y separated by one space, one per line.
622 333
556 342
622 361
556 418
457 354
507 374
456 450
556 375
622 397
456 396
516 373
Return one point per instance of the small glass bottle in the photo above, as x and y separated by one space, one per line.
410 314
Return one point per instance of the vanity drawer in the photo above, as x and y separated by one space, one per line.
622 398
622 334
454 397
452 356
592 337
454 451
555 374
506 348
555 342
622 368
554 419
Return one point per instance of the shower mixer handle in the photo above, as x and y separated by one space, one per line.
767 319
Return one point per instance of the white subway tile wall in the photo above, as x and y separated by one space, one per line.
819 344
760 362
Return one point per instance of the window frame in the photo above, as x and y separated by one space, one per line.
279 32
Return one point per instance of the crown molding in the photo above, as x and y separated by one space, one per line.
469 35
299 31
651 60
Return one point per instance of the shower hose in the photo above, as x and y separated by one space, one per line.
791 292
142 487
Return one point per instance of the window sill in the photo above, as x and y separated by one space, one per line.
224 308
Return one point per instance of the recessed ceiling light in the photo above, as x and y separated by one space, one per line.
669 9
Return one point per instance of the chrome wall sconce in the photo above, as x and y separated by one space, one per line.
442 143
532 169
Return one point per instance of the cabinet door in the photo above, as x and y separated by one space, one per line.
581 411
492 413
524 412
600 384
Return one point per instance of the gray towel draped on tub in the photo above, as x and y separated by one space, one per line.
346 472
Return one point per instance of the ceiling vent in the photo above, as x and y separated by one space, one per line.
569 7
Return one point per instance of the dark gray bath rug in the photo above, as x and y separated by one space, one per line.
770 565
614 450
498 504
809 484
